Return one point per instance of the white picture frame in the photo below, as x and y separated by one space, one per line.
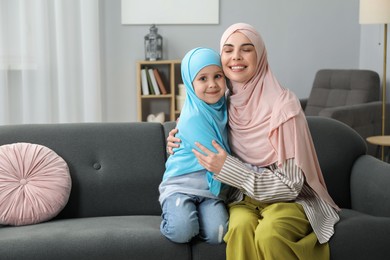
139 12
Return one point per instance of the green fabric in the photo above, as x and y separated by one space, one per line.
271 231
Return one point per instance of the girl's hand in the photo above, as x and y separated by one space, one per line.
172 141
213 162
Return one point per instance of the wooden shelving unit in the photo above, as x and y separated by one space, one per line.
154 104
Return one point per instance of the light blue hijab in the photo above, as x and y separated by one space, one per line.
199 121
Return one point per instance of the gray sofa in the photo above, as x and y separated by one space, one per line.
113 212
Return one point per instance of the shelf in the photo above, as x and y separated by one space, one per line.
156 96
170 73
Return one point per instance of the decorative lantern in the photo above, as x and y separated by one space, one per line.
153 45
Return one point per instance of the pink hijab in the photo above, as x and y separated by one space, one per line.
266 121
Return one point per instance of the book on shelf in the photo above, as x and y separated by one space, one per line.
144 83
154 82
160 83
151 89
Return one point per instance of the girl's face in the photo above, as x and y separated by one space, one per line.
239 58
209 84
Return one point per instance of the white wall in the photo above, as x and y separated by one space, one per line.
301 37
371 51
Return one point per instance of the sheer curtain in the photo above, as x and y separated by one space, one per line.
49 61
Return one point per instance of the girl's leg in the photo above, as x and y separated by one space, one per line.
239 239
213 220
284 232
179 218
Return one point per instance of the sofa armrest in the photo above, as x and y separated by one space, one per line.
366 118
356 116
370 182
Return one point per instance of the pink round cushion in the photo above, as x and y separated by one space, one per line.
35 184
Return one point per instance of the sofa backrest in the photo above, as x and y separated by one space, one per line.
115 167
338 147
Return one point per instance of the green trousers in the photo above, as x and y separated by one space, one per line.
271 231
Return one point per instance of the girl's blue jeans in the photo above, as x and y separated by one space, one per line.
186 216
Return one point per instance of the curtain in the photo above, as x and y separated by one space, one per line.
49 61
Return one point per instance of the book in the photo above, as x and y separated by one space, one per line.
151 90
160 83
154 82
144 83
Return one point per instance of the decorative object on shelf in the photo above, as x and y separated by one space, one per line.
153 44
160 118
182 90
378 12
180 98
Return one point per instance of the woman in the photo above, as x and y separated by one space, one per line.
281 208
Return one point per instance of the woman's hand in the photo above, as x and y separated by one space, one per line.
172 141
213 162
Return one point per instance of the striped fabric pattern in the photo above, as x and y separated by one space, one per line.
274 184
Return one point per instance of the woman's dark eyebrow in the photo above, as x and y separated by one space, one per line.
244 44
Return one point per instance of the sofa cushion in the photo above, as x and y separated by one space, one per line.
360 236
35 184
113 237
206 251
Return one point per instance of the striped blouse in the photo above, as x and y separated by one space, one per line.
273 184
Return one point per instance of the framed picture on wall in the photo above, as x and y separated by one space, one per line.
170 12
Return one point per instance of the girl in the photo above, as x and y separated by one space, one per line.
191 198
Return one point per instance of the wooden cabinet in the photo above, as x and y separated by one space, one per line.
169 71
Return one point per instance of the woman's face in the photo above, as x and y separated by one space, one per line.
239 58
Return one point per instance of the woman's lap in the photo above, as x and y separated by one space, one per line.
278 231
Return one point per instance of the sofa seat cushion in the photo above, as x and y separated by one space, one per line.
360 236
206 251
35 184
120 237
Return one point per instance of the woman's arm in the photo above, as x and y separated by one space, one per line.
271 185
172 141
